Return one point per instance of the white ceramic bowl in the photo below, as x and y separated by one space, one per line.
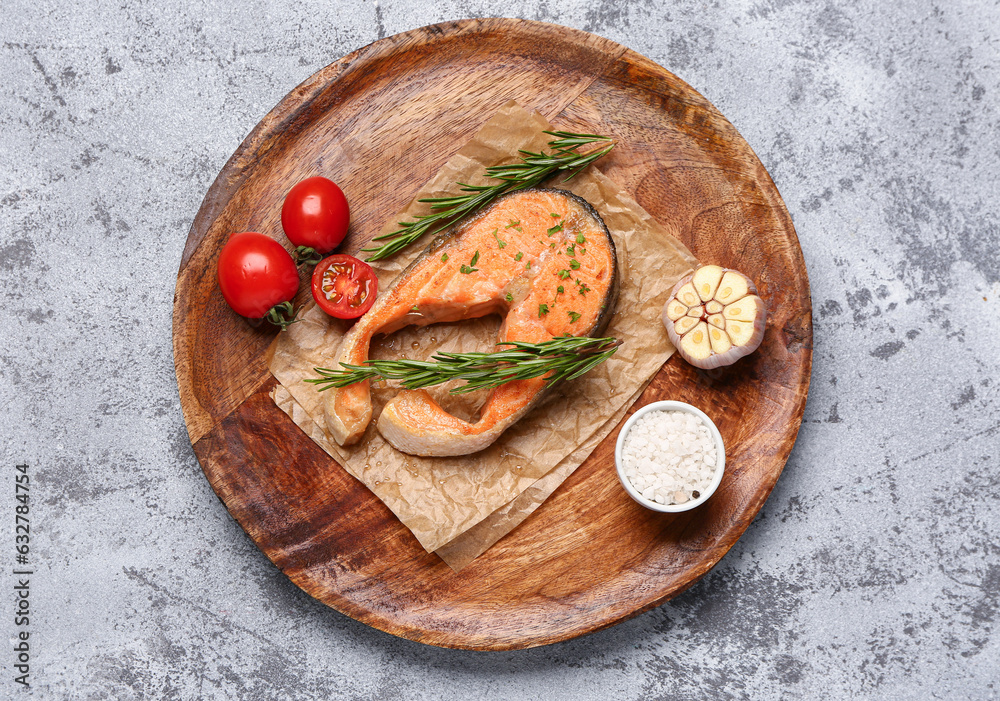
720 464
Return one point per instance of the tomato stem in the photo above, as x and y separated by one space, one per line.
282 315
306 255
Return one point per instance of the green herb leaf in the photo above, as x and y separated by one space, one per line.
575 264
509 297
563 274
470 268
543 309
502 244
444 258
554 230
573 317
519 256
580 239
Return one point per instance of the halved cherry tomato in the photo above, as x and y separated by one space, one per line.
343 286
258 277
315 216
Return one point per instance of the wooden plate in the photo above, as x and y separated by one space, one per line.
380 122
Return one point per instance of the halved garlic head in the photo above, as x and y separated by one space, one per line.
714 317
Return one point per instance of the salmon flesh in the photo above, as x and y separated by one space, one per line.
543 259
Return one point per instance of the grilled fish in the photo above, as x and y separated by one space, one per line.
541 258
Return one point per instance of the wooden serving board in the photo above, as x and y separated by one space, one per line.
382 121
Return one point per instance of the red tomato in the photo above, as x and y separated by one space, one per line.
343 286
315 215
258 277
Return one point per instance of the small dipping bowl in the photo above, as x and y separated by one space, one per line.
720 460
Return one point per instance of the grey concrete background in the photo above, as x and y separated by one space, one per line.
872 572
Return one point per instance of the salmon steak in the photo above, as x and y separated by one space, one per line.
542 259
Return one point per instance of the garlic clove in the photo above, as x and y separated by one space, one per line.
745 309
732 287
719 340
717 320
674 310
695 344
714 307
696 312
687 295
705 281
739 332
685 324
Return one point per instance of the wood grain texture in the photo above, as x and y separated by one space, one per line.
380 122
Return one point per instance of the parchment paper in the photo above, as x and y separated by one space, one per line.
439 499
478 539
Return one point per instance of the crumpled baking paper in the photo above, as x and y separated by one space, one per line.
459 506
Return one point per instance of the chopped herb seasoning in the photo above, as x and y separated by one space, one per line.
527 266
509 297
444 258
501 243
573 317
563 274
519 256
575 264
555 229
471 267
543 309
514 224
414 308
571 250
580 239
555 216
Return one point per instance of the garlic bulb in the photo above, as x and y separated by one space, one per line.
714 317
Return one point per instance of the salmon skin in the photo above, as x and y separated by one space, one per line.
543 259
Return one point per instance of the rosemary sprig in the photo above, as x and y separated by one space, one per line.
562 358
531 170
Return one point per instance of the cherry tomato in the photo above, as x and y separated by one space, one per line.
315 216
343 286
258 277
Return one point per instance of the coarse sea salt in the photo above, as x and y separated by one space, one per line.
669 456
